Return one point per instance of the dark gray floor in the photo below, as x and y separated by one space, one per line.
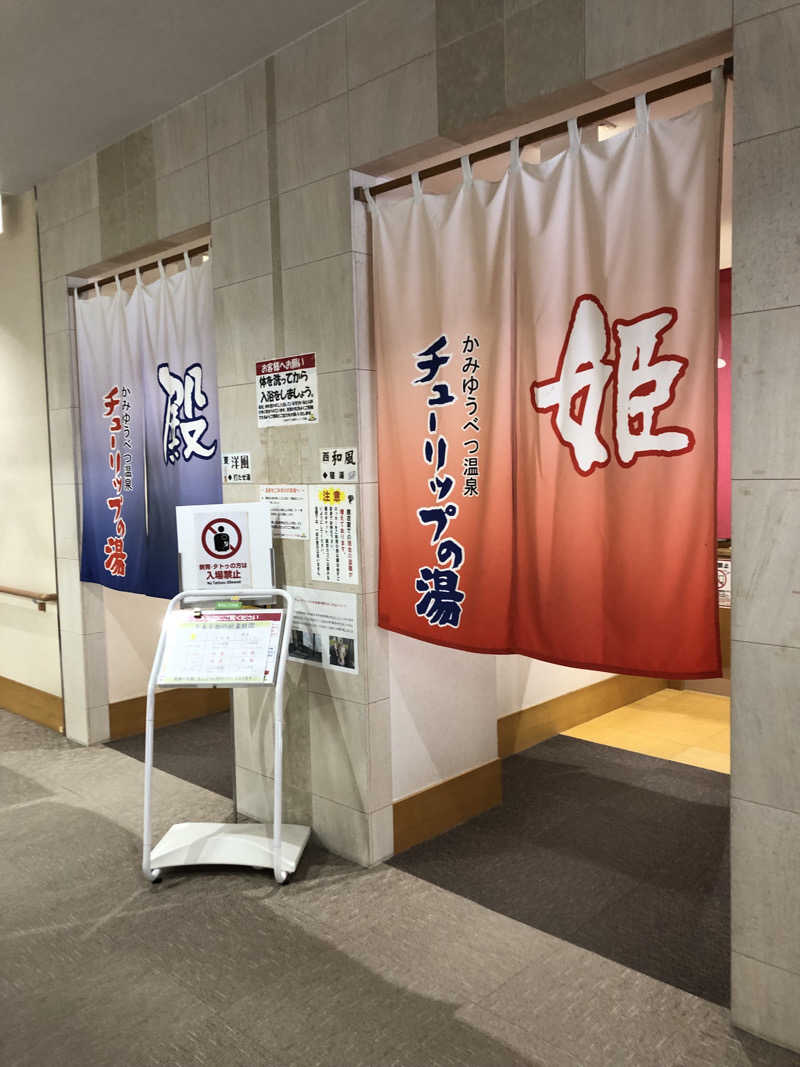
341 967
619 853
199 751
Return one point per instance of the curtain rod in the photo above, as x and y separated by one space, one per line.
131 271
587 119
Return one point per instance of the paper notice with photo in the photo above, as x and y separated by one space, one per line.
324 629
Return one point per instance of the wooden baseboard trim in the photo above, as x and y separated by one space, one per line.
34 704
126 717
522 729
431 811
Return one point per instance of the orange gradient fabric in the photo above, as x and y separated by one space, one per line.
546 357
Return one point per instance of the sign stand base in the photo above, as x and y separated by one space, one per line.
189 844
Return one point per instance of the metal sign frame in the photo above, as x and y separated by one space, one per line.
246 844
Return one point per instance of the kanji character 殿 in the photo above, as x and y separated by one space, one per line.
645 384
183 427
575 394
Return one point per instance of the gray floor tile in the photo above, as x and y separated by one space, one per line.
122 1015
62 863
528 1047
418 935
15 788
601 1012
341 967
620 853
202 754
22 735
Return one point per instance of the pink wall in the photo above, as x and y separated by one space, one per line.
724 409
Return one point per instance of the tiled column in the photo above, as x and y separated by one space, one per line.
69 225
765 666
288 252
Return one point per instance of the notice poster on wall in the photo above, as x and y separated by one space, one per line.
221 648
724 582
334 544
287 390
236 467
222 549
324 629
288 508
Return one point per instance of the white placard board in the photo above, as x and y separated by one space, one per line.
225 545
221 647
324 629
288 506
338 465
333 532
236 467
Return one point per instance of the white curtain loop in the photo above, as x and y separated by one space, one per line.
186 260
371 205
119 283
97 288
161 270
138 276
514 165
642 111
466 170
574 133
416 185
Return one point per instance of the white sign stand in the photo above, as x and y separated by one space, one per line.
243 844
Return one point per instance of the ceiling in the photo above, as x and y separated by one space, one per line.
77 75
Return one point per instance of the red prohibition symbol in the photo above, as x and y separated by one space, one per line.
221 538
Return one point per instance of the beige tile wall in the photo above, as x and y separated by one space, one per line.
765 662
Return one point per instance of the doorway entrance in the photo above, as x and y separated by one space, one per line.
614 834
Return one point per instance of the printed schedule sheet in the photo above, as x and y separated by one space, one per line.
221 648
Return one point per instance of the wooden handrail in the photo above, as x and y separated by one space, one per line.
41 600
